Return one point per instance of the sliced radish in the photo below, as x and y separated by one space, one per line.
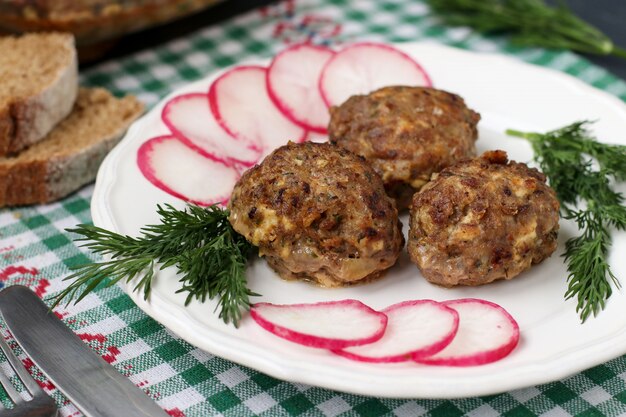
184 173
364 67
415 329
241 105
190 119
292 83
327 325
487 333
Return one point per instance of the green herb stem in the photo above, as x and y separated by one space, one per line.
567 156
619 52
208 254
529 22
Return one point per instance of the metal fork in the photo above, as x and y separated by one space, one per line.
41 404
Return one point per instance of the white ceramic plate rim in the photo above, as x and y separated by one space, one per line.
361 378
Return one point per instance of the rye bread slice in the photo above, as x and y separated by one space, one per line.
70 155
38 87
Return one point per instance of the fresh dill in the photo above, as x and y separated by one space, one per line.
529 22
200 242
581 170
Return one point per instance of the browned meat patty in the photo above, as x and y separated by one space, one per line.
406 133
318 212
481 220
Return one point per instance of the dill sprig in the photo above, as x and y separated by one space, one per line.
200 242
581 170
529 22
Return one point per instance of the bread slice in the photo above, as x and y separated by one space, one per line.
70 155
39 82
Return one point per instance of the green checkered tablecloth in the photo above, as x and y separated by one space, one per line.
36 251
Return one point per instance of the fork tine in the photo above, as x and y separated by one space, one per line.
19 369
9 389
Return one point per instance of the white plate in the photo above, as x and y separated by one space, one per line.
554 344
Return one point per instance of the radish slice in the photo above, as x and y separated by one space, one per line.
241 105
190 119
292 80
415 329
364 67
182 172
487 333
327 325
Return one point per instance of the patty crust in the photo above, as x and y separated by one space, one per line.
318 213
481 220
406 134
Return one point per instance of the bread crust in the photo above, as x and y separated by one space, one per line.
40 182
25 120
43 179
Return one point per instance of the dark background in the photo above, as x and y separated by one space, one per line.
608 15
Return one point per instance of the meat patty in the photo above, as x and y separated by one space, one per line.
481 220
319 213
406 133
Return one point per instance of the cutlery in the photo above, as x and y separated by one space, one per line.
41 404
94 386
